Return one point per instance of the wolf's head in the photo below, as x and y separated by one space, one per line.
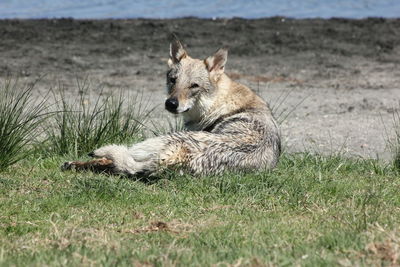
189 79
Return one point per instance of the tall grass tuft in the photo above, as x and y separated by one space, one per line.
174 124
20 116
395 144
85 123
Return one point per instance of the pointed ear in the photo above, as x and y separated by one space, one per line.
216 63
176 52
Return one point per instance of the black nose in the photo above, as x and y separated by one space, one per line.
171 104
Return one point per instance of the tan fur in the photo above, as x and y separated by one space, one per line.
175 155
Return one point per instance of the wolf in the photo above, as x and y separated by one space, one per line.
228 126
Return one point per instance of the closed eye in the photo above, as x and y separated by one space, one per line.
194 85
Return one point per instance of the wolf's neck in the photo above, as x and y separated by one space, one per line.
227 98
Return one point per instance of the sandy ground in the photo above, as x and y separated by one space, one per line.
338 80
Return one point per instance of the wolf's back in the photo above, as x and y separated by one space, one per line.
244 141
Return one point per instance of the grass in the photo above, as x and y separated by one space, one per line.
89 122
20 117
310 211
395 143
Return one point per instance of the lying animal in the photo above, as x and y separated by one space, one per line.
229 127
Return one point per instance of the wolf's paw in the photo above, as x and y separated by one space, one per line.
69 165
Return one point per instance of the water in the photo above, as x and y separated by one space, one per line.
98 9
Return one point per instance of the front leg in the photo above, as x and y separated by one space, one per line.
140 159
101 165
